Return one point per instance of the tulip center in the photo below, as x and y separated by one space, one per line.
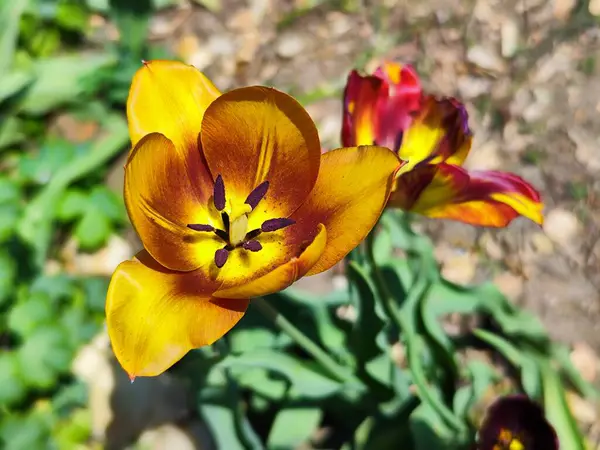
235 222
508 441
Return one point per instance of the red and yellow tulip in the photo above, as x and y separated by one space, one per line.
231 198
432 138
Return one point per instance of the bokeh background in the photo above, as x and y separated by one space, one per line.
527 70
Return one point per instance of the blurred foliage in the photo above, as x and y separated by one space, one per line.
405 381
52 189
408 382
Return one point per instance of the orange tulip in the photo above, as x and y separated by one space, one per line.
231 198
432 138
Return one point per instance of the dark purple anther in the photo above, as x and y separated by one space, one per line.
257 194
201 227
276 224
219 193
252 246
221 256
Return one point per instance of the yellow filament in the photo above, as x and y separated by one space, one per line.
237 230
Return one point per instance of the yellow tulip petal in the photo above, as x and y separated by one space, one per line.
256 134
164 191
170 98
428 186
476 212
155 316
284 275
163 195
485 198
439 133
350 193
523 205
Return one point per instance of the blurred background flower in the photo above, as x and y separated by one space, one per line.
516 422
432 136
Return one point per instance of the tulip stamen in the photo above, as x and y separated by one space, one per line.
201 227
252 245
508 441
276 224
221 256
257 194
219 193
235 222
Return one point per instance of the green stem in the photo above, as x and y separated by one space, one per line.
413 350
385 297
334 369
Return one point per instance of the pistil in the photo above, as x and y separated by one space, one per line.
235 223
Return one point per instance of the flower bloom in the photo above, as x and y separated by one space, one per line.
231 198
515 422
432 137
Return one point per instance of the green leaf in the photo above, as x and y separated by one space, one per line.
94 293
505 347
71 16
14 82
562 355
482 377
382 434
368 324
226 416
10 15
26 316
305 380
92 230
292 427
60 80
70 396
132 19
107 202
427 431
9 218
35 226
79 326
221 421
98 5
12 131
314 313
56 287
8 272
44 356
261 382
12 389
74 204
518 357
250 339
40 167
407 315
75 431
383 246
446 298
557 410
24 432
9 191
